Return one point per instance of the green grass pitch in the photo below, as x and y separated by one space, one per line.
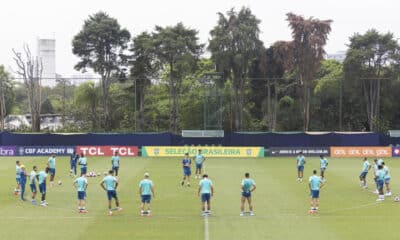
281 203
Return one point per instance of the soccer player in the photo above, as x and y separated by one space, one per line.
363 176
115 163
375 174
23 175
146 190
248 186
83 163
315 184
32 184
206 190
380 181
73 161
110 185
51 164
301 160
200 159
323 165
387 179
80 185
186 164
17 188
42 186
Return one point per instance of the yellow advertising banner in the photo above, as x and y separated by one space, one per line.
361 151
211 151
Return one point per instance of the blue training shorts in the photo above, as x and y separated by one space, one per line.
314 194
81 195
52 171
115 168
18 180
380 183
199 166
387 180
205 197
246 194
187 172
33 187
300 168
83 169
363 174
42 188
111 194
146 198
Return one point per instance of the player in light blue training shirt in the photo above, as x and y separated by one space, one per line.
187 171
32 183
17 188
81 185
301 161
42 185
51 163
387 179
323 165
206 190
200 159
146 191
380 181
83 163
110 184
115 163
315 184
248 186
363 176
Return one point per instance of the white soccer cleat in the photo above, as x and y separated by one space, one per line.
380 199
251 214
241 214
388 194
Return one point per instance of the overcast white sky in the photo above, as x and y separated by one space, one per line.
22 21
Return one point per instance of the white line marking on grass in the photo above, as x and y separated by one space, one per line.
352 208
45 218
206 232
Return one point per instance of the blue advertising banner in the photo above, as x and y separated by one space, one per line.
293 151
396 152
45 150
8 150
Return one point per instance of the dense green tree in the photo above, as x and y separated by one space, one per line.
143 68
233 45
309 38
47 107
100 45
177 49
6 95
367 65
86 98
325 110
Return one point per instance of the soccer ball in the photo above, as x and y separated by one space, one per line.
59 182
397 199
